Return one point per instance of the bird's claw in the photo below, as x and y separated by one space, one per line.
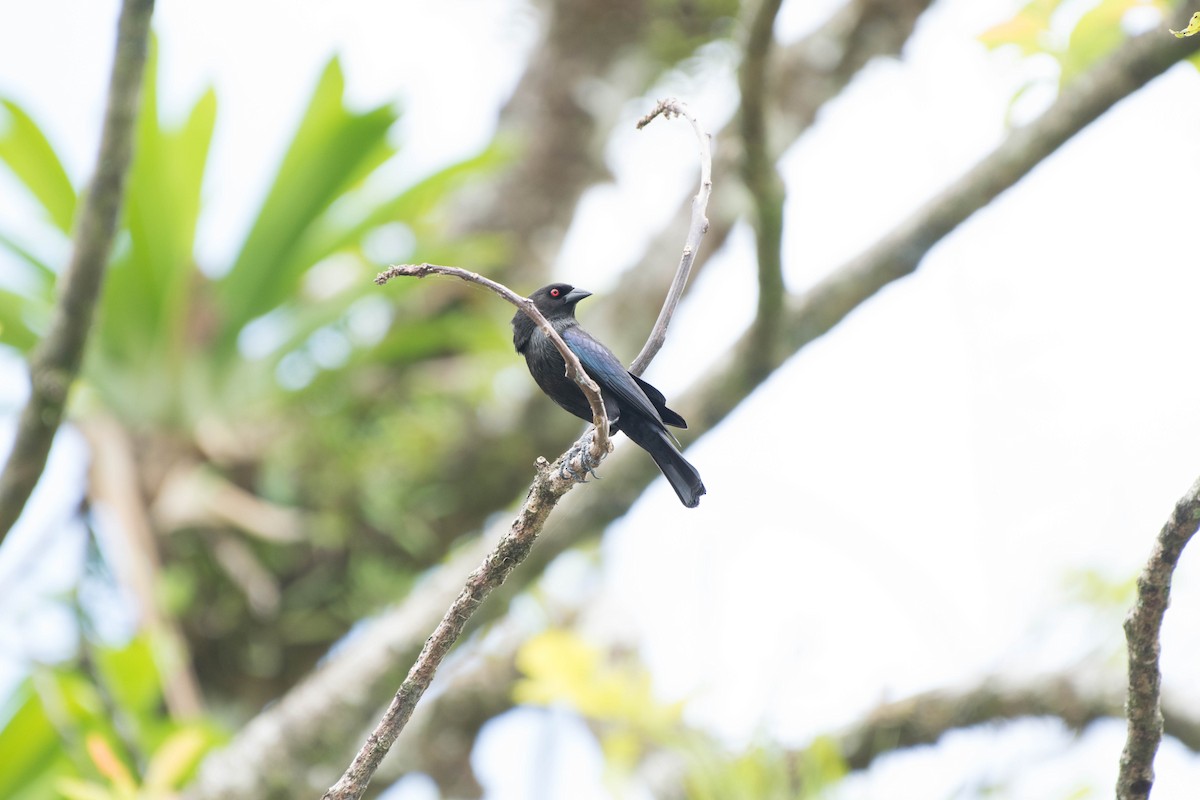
583 452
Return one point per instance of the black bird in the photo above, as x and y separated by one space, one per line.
632 405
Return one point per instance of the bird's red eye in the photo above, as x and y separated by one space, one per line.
555 292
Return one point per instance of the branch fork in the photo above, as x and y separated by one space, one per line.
600 445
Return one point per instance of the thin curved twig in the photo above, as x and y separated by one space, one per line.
1143 706
56 360
600 442
670 107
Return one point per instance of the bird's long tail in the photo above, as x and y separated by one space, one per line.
679 472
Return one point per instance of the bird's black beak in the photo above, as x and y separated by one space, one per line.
575 295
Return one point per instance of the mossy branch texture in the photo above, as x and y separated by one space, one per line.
1142 627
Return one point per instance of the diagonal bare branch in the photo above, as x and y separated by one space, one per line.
548 487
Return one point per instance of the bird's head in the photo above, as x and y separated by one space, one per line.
558 299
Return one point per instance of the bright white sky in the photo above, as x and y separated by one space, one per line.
900 507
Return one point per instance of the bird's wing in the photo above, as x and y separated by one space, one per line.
669 416
608 371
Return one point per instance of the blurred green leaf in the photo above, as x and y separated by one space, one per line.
130 675
166 363
333 149
15 330
149 287
27 152
821 765
1026 29
75 789
759 773
175 759
1097 34
61 734
1098 31
29 742
299 317
561 667
42 271
413 203
1094 589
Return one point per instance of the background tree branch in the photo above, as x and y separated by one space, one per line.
926 717
761 177
55 361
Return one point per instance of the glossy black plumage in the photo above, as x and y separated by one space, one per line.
632 405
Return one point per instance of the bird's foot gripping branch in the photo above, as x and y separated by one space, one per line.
578 462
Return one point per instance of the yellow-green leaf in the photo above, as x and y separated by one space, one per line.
175 758
75 789
1193 27
28 740
622 748
28 153
1026 29
1098 33
559 666
563 668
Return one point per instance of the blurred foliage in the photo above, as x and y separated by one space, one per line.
560 668
97 732
1106 595
763 771
678 27
285 373
1075 38
615 696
